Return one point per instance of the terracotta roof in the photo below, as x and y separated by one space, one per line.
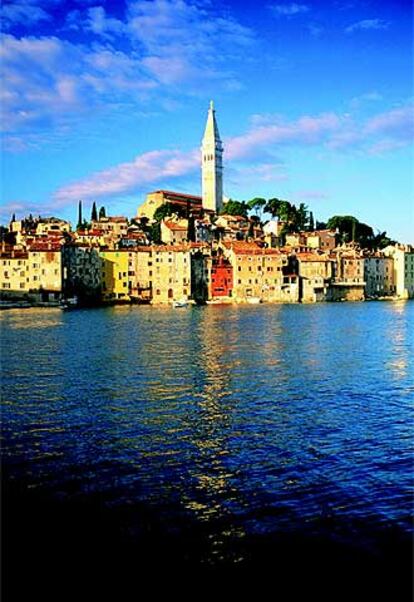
311 257
171 225
179 194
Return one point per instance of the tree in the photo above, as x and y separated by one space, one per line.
155 233
235 208
80 220
94 213
191 233
257 204
162 212
300 216
311 222
102 212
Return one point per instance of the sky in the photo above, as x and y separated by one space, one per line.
106 101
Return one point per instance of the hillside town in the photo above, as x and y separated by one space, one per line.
181 248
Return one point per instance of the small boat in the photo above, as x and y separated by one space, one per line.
253 300
69 303
180 303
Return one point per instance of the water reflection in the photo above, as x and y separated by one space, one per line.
243 420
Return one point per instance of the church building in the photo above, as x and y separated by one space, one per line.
211 200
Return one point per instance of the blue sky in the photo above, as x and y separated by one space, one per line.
105 101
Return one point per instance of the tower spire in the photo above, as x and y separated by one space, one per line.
212 165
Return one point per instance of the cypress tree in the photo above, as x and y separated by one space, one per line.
80 215
94 213
311 222
102 212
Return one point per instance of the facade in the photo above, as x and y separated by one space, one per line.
261 273
179 201
115 279
14 273
379 276
220 278
403 256
348 275
174 231
212 165
82 269
162 274
315 275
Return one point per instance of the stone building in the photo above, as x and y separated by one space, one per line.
261 273
315 276
348 282
82 272
162 273
181 203
14 273
379 275
403 256
174 231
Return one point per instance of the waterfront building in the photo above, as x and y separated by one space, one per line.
220 278
212 164
403 256
348 275
45 271
261 273
14 277
115 277
165 271
379 275
82 271
315 275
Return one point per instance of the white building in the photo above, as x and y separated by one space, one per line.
403 256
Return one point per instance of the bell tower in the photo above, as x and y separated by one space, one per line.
212 164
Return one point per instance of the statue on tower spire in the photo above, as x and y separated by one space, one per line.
212 164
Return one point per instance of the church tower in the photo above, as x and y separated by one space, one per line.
212 164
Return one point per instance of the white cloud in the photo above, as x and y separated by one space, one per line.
49 81
22 12
367 24
289 10
383 133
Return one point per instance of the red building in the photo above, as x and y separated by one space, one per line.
221 281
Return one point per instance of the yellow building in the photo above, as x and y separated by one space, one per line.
163 273
14 272
36 274
45 271
115 274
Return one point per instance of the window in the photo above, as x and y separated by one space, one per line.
158 292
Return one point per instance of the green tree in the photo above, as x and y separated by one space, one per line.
257 205
235 208
155 233
102 212
311 222
94 213
80 219
162 212
191 233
